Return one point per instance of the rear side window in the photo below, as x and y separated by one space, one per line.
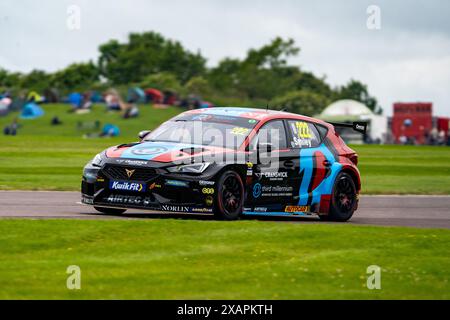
303 134
322 130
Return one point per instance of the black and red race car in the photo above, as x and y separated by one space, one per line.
229 162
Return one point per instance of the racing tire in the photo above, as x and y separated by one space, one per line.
229 196
343 199
110 211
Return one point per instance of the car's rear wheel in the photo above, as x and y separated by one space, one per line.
229 196
111 211
343 200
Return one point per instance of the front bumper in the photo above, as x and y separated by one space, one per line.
148 187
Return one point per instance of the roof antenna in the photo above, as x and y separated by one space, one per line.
267 106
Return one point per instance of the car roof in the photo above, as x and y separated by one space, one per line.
253 113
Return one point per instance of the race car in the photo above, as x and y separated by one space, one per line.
230 162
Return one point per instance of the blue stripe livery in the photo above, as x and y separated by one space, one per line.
307 167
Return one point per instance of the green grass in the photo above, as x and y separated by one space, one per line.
173 259
149 118
404 169
51 158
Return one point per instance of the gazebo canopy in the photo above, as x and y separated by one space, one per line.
345 109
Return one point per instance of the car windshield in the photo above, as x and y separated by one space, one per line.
203 129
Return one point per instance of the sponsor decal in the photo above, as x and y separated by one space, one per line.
202 117
292 209
201 210
209 200
127 186
129 172
240 131
149 204
87 200
149 150
176 183
276 191
303 130
260 209
175 208
257 189
302 134
121 199
272 176
131 162
208 190
153 186
249 169
206 183
100 180
302 142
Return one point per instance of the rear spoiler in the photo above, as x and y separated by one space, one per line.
360 127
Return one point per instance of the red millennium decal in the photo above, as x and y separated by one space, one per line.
319 159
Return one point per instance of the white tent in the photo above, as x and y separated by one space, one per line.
346 108
351 110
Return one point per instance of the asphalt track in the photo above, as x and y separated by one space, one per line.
410 211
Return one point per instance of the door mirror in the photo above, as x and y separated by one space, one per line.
143 134
264 147
263 152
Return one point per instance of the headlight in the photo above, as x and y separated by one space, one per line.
97 161
190 168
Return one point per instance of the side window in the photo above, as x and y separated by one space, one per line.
322 130
274 133
303 134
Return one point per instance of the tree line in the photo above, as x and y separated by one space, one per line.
263 76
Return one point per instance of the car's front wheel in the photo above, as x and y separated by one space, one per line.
110 211
229 196
343 200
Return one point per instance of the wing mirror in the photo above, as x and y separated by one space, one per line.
143 134
263 152
265 147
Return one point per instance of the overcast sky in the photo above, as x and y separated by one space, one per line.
408 59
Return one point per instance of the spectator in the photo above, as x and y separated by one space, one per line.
5 103
441 138
12 128
130 110
112 100
6 100
434 136
86 103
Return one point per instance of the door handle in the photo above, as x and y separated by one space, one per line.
327 163
289 164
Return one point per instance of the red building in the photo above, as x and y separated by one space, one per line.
415 121
412 120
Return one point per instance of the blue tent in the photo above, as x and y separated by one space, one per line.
75 99
96 97
31 111
136 95
110 130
